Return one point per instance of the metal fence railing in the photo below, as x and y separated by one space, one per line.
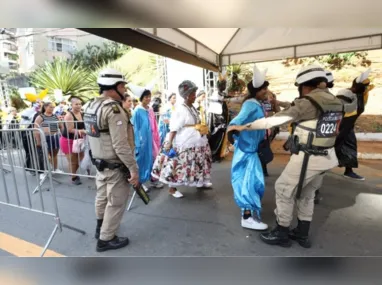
19 155
68 153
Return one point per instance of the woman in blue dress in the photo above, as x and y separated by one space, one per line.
164 121
247 176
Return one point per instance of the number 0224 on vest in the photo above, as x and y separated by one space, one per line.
328 124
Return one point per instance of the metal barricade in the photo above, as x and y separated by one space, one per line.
22 151
61 149
66 162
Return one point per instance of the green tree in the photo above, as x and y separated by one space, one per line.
15 99
334 61
93 55
139 67
67 75
244 75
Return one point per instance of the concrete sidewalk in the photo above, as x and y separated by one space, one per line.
207 223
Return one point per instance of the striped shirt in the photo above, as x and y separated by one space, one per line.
49 122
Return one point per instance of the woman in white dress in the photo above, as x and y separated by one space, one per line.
186 156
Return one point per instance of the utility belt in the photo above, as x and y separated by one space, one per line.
314 150
293 145
101 165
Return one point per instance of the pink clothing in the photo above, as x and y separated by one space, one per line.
155 132
66 145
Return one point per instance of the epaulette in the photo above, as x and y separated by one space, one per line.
115 108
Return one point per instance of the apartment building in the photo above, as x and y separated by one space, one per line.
36 46
8 51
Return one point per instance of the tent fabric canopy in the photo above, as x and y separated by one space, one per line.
213 48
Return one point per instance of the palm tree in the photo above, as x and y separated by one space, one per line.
67 75
244 75
244 71
16 100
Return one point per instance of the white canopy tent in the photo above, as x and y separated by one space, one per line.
213 48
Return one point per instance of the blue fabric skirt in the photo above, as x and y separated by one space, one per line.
247 180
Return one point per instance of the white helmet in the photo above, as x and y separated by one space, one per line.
308 73
110 77
329 76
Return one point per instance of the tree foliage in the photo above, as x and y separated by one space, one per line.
334 61
93 55
244 75
15 99
67 75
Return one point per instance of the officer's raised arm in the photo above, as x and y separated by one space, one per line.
302 109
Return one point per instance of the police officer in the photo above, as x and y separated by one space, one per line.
111 142
317 114
329 84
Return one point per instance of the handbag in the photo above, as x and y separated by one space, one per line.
265 152
78 146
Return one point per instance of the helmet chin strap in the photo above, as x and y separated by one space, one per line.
120 95
300 91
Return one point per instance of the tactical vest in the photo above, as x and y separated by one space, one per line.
99 136
326 127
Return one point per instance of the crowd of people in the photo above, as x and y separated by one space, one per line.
129 143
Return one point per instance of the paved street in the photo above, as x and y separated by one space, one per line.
203 223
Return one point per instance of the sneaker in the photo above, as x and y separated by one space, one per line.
253 224
145 188
157 185
43 176
77 181
354 176
177 194
58 171
207 185
204 185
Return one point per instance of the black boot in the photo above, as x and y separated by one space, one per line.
115 243
277 236
317 197
265 170
301 234
98 229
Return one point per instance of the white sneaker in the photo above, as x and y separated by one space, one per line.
145 188
177 194
157 185
207 185
43 176
252 224
58 171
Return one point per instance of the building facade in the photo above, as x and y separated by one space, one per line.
8 51
36 46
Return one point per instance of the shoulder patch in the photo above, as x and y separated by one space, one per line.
115 109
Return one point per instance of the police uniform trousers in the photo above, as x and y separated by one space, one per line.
286 186
112 195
